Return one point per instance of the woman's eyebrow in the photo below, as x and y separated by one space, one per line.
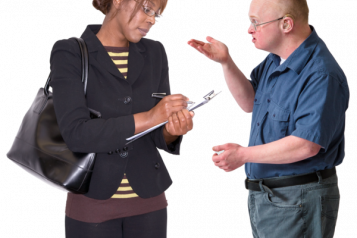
152 3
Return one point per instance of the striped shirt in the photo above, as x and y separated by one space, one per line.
120 57
125 190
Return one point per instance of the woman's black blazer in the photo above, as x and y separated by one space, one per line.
117 99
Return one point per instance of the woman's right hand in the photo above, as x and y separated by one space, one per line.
214 50
167 107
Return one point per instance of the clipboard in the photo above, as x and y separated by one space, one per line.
207 98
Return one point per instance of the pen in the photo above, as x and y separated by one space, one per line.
162 96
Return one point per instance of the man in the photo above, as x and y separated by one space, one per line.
298 96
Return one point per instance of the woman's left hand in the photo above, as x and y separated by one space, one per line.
180 123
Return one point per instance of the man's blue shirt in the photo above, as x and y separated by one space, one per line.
307 97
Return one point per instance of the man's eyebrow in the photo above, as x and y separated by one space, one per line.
253 17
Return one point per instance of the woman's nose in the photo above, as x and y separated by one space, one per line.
151 20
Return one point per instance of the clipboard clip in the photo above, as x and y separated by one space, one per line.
211 95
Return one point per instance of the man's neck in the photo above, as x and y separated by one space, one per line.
293 41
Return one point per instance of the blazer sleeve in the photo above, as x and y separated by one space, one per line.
79 131
157 135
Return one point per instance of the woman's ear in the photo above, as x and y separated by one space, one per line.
117 4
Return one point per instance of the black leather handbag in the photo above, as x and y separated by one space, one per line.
40 149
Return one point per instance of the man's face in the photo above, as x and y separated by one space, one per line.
268 37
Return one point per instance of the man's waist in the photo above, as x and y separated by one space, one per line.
264 171
286 181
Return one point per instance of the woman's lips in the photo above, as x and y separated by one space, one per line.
143 31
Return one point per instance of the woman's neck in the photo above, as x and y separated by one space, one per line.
110 34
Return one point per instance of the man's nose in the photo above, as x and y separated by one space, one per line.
251 29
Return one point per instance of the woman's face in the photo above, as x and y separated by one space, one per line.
141 23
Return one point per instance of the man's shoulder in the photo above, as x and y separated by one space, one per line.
264 64
322 62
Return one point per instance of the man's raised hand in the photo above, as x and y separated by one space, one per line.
214 50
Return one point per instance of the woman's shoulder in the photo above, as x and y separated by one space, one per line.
152 46
69 45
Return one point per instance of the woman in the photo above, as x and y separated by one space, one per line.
126 195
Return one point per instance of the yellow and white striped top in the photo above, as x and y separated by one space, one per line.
120 57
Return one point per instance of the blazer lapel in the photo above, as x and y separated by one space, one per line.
136 61
98 52
107 63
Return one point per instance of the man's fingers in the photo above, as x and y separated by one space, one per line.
220 147
193 41
200 45
210 39
216 158
215 148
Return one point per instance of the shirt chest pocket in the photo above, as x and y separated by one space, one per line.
278 121
259 97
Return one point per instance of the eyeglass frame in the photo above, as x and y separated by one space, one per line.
151 12
255 25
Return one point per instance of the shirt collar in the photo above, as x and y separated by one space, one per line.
298 59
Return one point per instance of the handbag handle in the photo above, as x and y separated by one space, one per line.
84 54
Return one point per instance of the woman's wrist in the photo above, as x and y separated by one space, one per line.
143 121
168 137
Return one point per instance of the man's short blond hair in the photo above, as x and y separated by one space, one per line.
297 9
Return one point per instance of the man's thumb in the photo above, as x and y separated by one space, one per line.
210 39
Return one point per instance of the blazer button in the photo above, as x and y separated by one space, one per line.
125 148
127 100
157 165
124 154
117 151
110 152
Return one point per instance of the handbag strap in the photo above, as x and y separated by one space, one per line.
84 66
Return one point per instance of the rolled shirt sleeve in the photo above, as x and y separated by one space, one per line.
320 110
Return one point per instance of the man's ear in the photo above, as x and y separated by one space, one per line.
288 24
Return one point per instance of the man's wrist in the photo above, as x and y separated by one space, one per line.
227 63
244 154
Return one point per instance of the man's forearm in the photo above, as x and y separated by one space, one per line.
288 150
239 85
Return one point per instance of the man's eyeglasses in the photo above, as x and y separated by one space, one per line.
256 25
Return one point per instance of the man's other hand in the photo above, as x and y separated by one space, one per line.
214 50
231 159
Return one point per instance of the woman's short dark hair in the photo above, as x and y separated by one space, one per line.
105 5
